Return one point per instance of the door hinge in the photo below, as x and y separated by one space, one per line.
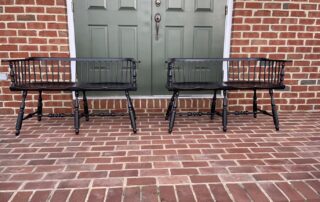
226 10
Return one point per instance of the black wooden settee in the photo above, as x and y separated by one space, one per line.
55 74
186 74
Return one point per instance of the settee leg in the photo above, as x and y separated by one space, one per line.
76 113
85 106
40 105
21 113
213 105
132 113
173 111
255 104
225 111
274 111
170 105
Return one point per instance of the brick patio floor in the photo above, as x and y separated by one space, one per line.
198 162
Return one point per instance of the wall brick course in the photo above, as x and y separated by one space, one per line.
26 18
7 17
34 9
46 18
45 2
13 9
25 2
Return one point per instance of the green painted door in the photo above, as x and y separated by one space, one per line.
127 28
115 28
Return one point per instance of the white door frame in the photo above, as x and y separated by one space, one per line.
226 48
72 39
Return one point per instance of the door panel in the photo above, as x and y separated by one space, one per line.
126 28
128 42
99 41
115 28
97 4
175 5
203 5
188 28
202 42
128 4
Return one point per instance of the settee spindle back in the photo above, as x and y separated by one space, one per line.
39 70
57 71
197 71
255 70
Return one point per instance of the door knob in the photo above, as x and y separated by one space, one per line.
157 2
157 19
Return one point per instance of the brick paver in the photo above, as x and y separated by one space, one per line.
197 162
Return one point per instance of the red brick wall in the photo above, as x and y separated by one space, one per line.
32 28
282 30
270 28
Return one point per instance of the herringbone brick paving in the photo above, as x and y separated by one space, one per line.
197 162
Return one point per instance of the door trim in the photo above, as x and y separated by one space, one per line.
72 38
72 46
227 36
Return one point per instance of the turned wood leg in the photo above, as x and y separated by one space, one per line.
225 111
274 110
213 104
76 113
169 109
131 113
255 105
173 111
39 110
85 106
21 112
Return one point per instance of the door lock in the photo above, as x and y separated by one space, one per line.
157 2
157 19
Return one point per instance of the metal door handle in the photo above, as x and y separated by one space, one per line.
157 2
157 19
